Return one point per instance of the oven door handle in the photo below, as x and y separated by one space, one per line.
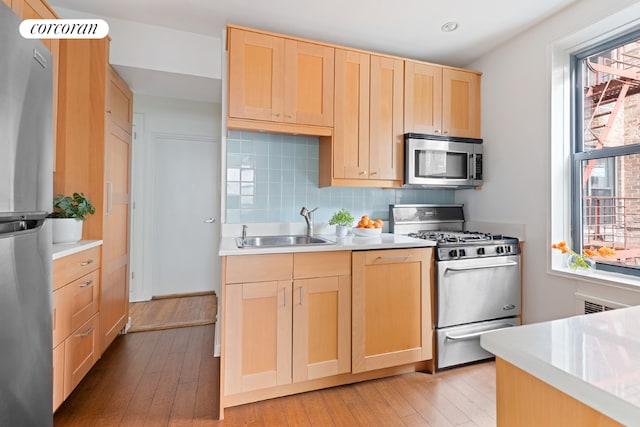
475 267
477 334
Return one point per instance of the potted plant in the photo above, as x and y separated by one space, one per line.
343 220
68 215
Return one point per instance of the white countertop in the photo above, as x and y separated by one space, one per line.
350 243
594 358
63 249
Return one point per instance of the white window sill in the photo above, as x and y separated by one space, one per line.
605 278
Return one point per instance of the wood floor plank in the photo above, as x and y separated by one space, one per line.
340 414
415 395
398 403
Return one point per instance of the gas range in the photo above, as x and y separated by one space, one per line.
443 224
477 279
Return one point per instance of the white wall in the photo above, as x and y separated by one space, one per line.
516 127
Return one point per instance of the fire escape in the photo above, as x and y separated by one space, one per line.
612 81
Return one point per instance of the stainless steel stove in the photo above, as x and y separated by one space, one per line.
477 286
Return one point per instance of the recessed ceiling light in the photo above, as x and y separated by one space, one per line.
449 26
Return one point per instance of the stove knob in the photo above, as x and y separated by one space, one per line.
453 253
480 251
499 249
461 252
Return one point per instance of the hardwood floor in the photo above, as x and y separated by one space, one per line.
173 312
170 378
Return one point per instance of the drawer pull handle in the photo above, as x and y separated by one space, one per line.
394 257
85 263
84 334
87 283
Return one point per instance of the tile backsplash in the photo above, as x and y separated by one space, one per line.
270 177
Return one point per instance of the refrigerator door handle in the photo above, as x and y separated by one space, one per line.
20 226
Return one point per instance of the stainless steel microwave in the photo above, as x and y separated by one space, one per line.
442 162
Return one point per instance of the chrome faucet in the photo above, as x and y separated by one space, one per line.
308 216
244 234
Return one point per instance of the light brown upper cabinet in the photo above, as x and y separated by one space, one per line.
367 144
281 82
441 101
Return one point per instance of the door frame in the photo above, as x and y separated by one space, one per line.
143 198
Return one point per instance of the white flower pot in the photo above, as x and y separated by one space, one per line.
341 230
66 230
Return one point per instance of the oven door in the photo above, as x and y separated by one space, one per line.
461 344
477 289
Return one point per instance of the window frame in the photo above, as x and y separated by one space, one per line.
577 153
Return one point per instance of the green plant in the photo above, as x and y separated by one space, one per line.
342 217
77 206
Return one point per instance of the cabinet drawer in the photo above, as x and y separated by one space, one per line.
58 376
321 264
74 304
61 319
76 265
394 256
83 298
80 353
259 268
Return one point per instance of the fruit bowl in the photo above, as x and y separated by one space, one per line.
366 232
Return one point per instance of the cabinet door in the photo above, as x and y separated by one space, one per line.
321 327
81 352
114 308
386 140
460 103
422 98
119 102
256 70
308 84
351 124
391 308
58 376
257 336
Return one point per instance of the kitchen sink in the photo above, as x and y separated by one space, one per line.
271 241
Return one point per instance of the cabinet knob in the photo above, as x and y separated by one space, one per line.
374 173
277 114
436 131
108 111
363 173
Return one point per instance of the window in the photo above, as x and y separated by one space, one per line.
606 151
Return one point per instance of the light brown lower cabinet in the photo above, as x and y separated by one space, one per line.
288 330
288 320
75 320
392 322
526 401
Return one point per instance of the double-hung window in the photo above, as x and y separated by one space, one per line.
606 151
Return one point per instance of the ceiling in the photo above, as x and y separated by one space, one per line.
408 28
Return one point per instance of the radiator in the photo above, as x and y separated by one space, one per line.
586 304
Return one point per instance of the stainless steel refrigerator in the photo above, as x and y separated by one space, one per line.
25 236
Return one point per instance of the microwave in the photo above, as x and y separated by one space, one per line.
442 162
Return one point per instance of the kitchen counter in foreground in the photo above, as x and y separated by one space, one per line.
595 359
350 243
